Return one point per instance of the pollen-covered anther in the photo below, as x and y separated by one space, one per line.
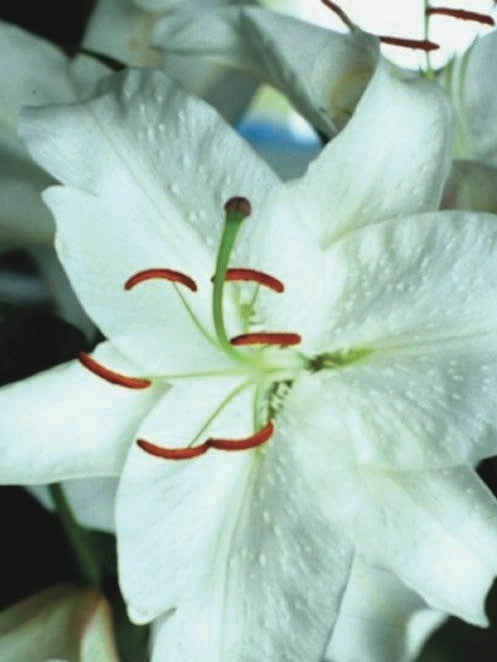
164 274
415 44
462 14
267 338
186 453
189 452
236 274
110 375
257 439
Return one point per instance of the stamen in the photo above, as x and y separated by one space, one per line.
257 439
255 276
462 14
415 44
267 338
166 274
189 452
173 453
339 12
110 375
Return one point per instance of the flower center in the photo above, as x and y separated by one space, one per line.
266 366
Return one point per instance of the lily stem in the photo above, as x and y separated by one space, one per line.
76 537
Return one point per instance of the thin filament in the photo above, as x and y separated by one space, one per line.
339 12
462 14
110 375
267 338
165 274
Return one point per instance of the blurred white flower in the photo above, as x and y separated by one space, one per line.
63 622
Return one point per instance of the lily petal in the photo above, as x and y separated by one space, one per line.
380 619
455 557
161 189
322 72
34 72
83 424
469 81
62 622
396 151
126 31
471 185
413 325
90 499
231 539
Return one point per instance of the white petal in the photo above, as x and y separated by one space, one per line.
149 192
122 31
125 32
60 623
418 298
32 72
156 5
237 543
378 619
436 530
469 79
391 160
471 185
67 422
90 499
322 72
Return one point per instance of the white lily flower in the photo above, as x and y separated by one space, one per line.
124 29
470 82
61 623
353 426
32 72
323 73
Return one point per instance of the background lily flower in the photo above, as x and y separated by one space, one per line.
323 73
470 82
124 29
63 622
371 400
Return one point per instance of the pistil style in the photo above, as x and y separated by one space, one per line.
237 209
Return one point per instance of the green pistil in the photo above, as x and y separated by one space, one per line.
237 209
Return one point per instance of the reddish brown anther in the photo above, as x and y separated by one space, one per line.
462 14
238 205
189 452
267 338
110 375
256 277
165 274
257 439
415 44
173 453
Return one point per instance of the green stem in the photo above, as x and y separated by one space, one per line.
429 73
76 536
